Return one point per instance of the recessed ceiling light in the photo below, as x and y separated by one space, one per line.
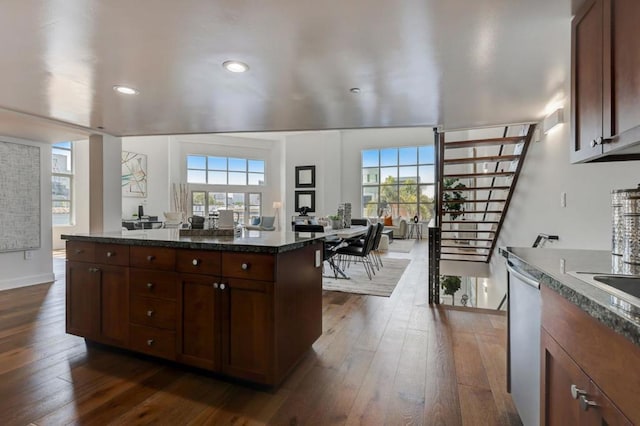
125 90
355 90
235 66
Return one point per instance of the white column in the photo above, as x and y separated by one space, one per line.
105 176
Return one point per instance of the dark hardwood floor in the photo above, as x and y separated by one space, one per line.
394 361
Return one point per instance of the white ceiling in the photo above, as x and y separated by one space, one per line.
454 63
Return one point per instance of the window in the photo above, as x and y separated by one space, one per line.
398 182
224 170
243 204
62 183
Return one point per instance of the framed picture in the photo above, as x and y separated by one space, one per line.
306 199
134 174
305 176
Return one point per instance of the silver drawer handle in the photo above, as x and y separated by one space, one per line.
245 266
576 392
195 262
215 285
150 258
222 286
149 313
150 342
110 254
78 251
94 269
585 404
149 286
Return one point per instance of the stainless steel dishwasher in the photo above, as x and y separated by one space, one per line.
524 344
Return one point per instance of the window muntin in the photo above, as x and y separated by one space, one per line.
214 170
62 183
398 181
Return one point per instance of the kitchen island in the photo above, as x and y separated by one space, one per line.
590 344
247 307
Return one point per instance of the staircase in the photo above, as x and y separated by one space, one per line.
476 180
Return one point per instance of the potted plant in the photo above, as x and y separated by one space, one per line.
454 200
450 284
336 223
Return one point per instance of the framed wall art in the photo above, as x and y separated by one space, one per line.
306 199
134 175
20 194
305 176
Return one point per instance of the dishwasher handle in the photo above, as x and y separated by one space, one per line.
527 280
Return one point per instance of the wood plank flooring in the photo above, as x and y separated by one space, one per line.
393 361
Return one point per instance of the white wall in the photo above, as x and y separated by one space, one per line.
16 270
156 148
535 207
322 150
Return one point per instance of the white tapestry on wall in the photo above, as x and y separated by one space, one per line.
19 197
134 174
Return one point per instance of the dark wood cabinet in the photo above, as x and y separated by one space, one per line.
585 379
569 395
97 302
605 81
200 321
250 316
247 329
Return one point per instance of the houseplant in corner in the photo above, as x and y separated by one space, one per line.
450 284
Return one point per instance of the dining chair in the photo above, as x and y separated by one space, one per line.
356 253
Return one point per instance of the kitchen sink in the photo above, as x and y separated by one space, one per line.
624 290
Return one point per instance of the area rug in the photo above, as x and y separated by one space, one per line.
382 283
402 246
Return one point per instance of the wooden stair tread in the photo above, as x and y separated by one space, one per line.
484 142
463 254
470 221
468 231
475 201
467 239
470 175
482 211
463 260
478 188
489 159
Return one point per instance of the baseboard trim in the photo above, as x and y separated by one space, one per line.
27 281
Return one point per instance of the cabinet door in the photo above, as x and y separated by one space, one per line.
587 80
83 300
622 117
199 334
247 333
568 395
114 309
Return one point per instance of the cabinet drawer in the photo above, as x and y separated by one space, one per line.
112 254
153 258
153 312
153 341
80 251
198 261
153 284
248 266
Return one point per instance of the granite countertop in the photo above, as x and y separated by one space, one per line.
545 265
250 241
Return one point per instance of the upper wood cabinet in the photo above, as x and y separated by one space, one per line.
605 70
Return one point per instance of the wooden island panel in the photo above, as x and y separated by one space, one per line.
247 315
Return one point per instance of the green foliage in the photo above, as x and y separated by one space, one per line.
456 208
333 217
450 284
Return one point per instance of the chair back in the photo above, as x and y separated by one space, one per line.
267 221
368 239
378 237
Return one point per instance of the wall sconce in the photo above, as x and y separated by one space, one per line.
276 206
552 120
